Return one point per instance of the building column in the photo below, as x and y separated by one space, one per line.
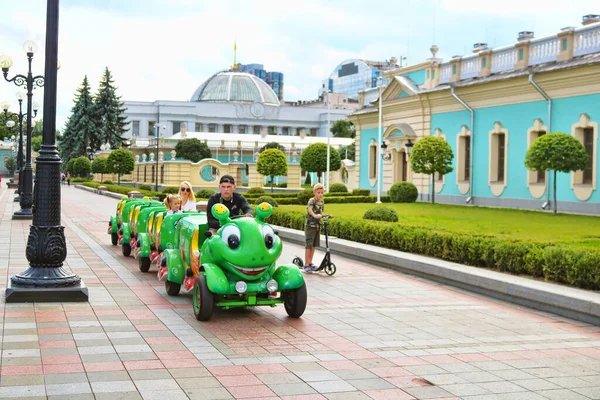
220 128
279 130
293 131
234 128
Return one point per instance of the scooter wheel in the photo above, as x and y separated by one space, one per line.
298 261
330 269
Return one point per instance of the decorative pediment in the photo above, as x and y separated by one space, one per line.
464 130
538 124
400 86
498 128
438 132
584 121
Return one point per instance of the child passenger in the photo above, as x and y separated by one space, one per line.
173 203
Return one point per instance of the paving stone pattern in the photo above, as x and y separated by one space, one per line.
368 333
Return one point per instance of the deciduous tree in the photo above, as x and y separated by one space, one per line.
314 159
193 150
272 162
120 162
432 155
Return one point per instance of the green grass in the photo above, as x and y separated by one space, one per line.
572 230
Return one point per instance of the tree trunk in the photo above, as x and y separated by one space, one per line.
433 188
118 179
101 177
555 201
272 180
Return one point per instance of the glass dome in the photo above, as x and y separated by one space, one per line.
232 86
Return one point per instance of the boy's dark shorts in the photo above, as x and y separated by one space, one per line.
313 237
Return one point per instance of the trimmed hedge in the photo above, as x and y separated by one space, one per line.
126 189
205 193
256 190
266 199
145 186
579 268
170 190
361 192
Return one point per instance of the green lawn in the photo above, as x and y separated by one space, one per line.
573 230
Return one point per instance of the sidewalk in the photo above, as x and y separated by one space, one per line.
581 305
368 333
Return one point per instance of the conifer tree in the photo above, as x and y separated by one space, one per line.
81 130
110 112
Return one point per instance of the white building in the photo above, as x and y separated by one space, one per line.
230 102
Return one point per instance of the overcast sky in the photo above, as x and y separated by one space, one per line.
164 49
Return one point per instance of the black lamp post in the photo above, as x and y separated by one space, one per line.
157 128
18 118
46 279
30 82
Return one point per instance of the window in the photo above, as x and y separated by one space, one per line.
138 173
162 174
151 128
501 151
498 154
467 166
373 161
272 129
584 182
588 143
198 127
242 129
144 173
212 128
135 128
227 128
313 131
176 127
285 131
256 129
540 175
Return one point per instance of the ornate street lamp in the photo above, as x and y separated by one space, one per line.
30 82
19 118
46 279
409 145
385 156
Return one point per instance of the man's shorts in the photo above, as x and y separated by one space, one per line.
313 237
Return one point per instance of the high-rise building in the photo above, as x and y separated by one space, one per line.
354 75
273 79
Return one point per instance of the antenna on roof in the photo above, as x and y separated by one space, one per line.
235 66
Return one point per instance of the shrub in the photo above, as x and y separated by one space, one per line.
381 214
361 192
256 190
575 267
403 192
266 199
108 182
145 186
79 180
171 190
337 188
205 193
304 196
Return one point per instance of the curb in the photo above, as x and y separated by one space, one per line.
577 304
565 301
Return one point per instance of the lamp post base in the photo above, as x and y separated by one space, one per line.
23 213
27 294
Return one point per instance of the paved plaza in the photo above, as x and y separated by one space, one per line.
368 333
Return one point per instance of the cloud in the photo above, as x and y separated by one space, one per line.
158 52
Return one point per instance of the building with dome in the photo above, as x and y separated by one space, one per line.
231 102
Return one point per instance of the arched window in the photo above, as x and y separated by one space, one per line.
536 180
373 160
584 182
498 168
463 159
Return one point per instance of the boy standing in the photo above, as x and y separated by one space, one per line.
314 213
